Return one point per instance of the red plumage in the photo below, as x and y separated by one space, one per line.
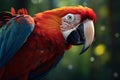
44 46
41 48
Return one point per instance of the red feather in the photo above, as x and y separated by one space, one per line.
44 46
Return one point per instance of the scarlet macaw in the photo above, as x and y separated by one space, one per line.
30 46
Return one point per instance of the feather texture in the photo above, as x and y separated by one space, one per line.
13 34
35 51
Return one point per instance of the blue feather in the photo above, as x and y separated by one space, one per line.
12 37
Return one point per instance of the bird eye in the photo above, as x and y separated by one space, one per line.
70 17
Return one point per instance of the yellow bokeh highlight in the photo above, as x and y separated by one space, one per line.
103 11
99 50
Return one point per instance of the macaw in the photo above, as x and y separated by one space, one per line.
31 46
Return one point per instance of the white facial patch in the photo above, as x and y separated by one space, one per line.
66 33
70 21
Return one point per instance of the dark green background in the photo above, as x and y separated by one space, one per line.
102 60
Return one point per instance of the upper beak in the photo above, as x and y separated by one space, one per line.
83 34
88 34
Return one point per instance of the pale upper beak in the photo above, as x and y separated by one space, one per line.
82 34
88 34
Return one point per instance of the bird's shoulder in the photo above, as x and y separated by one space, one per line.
5 16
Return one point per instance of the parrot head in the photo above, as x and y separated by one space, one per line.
75 23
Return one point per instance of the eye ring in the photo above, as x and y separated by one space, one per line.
70 17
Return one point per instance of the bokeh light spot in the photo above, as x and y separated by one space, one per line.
115 74
84 3
70 67
102 28
103 11
92 59
117 35
99 50
36 1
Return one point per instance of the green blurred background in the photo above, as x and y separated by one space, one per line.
101 61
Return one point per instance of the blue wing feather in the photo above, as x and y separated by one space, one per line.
13 36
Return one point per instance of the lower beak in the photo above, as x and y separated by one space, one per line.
83 34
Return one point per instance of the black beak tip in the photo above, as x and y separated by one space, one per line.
83 50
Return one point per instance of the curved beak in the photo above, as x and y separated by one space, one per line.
88 34
82 34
